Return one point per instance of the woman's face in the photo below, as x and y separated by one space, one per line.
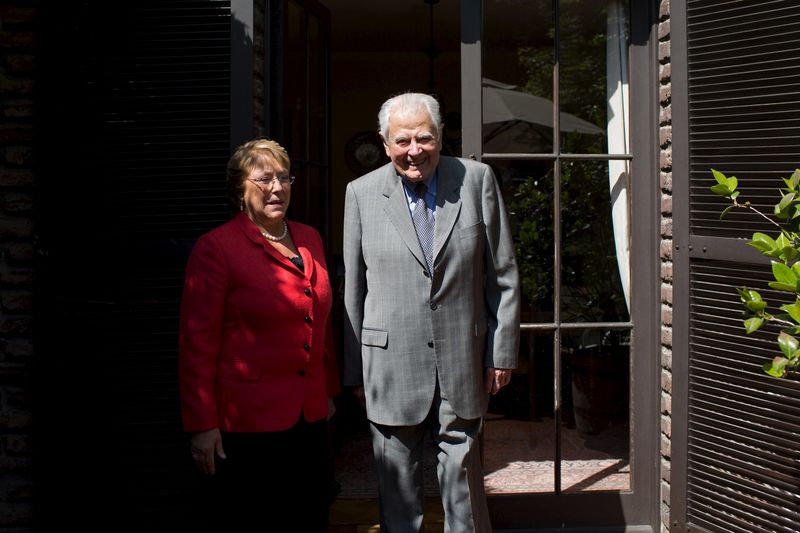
267 192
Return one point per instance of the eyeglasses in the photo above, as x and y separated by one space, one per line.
266 182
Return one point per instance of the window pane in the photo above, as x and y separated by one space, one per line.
595 371
528 194
518 64
593 74
519 446
591 274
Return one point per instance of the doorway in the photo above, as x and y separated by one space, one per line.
563 436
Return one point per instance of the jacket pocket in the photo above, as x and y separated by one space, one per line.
472 231
375 337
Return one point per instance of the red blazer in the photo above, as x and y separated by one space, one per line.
255 336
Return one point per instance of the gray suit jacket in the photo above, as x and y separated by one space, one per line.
402 327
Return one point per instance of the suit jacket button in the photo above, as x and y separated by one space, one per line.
430 344
301 372
307 291
306 347
426 274
308 319
434 307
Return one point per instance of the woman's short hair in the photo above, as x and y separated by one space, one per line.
252 154
408 104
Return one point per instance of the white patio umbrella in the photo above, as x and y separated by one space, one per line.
515 121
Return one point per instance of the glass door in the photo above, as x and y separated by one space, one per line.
546 97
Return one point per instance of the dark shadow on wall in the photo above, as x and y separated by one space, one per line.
132 138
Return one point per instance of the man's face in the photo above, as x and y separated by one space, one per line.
413 145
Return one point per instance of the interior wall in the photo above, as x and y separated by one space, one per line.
375 55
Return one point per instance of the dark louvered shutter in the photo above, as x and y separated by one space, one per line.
134 137
744 120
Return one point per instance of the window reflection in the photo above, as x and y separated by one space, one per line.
593 72
528 193
591 286
595 410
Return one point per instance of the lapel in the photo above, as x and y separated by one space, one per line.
397 212
448 206
253 234
448 202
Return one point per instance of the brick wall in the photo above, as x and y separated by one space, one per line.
665 140
16 262
259 116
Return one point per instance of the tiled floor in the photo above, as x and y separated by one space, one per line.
358 515
519 457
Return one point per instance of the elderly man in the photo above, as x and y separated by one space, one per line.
432 313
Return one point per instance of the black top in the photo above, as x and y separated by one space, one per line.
298 262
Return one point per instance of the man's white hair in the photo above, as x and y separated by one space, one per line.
405 105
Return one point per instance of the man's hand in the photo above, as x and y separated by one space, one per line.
496 379
205 446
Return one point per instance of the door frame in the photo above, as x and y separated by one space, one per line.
638 508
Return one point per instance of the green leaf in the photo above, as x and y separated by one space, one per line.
719 176
765 244
787 344
776 367
748 295
793 310
756 307
725 211
783 273
735 195
752 324
721 189
732 183
789 254
795 178
782 208
778 286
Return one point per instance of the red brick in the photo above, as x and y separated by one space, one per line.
663 31
665 94
666 271
16 445
666 204
15 420
11 133
666 403
15 325
666 249
666 315
665 136
17 301
19 108
666 446
666 381
16 203
15 228
16 15
20 64
19 278
666 426
666 227
665 160
16 513
665 115
17 349
17 39
15 178
666 358
663 51
18 253
19 155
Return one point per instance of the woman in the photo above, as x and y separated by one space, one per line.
257 368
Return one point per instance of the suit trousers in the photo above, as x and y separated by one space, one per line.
398 458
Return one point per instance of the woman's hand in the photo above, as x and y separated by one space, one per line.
205 446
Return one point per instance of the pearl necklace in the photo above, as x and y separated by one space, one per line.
277 238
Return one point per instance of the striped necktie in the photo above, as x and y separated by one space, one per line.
423 223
